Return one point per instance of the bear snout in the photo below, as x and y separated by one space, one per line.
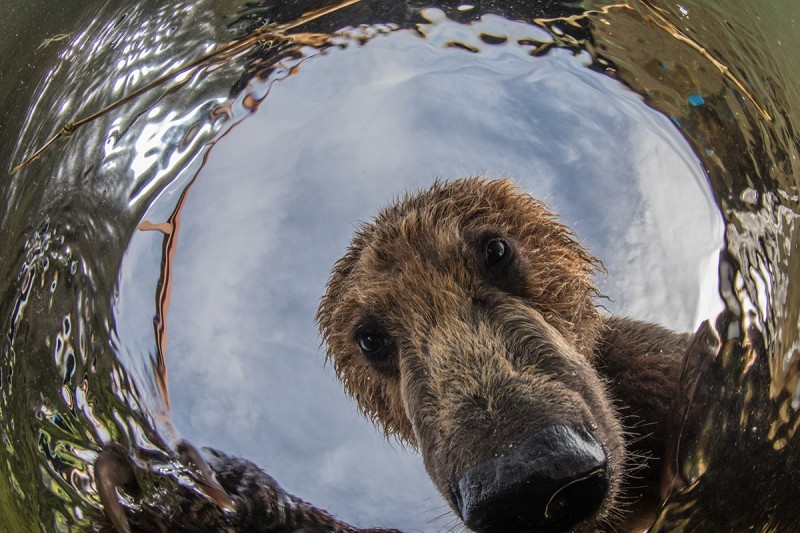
553 480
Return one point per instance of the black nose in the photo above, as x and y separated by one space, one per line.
551 481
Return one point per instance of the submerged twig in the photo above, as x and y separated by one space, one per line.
660 21
572 20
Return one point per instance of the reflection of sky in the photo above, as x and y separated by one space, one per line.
279 198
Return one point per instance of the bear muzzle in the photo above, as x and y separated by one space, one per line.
553 480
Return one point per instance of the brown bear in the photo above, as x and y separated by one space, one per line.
464 320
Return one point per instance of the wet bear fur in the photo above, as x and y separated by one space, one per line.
464 320
474 350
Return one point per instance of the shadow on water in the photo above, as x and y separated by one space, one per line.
191 228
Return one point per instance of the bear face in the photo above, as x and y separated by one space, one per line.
463 320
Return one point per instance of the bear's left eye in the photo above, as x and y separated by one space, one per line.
497 251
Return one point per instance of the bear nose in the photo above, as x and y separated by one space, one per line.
551 481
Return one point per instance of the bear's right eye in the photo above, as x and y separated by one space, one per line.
371 342
374 344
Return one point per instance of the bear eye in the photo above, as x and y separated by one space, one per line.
374 344
371 342
497 251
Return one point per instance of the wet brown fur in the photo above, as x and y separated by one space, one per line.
482 357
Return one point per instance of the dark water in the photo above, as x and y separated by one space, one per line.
191 228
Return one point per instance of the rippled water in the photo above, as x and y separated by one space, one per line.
161 261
